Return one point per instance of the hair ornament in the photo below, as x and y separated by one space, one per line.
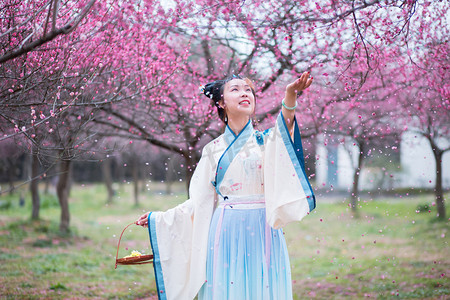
201 89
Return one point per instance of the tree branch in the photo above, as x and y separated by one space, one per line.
66 29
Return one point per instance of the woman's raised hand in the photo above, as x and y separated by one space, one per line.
300 84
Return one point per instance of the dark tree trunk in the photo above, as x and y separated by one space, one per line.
119 173
135 175
107 179
438 192
438 189
26 168
310 150
47 185
63 191
191 162
11 174
142 171
356 176
34 188
170 178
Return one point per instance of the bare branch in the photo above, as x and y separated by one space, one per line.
66 29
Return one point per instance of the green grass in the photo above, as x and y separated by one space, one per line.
390 251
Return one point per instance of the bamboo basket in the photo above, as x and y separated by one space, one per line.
133 260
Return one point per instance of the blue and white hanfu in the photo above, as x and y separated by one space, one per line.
226 241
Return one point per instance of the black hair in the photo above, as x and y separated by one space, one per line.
214 91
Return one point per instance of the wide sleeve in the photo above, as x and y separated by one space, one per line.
288 193
179 238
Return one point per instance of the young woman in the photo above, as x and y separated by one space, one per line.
225 242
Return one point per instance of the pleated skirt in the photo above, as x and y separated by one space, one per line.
237 265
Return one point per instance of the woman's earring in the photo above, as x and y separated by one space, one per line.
226 119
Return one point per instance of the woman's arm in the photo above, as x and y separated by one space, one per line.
289 100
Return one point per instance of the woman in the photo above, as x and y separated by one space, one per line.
225 242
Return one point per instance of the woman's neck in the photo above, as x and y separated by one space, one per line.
237 124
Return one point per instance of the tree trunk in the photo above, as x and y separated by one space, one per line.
11 174
191 162
47 185
135 175
26 168
170 174
119 173
63 191
356 176
142 171
34 188
107 179
439 195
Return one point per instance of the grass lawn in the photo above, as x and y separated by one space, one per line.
390 251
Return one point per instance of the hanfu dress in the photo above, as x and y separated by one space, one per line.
226 241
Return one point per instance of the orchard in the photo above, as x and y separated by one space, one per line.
81 80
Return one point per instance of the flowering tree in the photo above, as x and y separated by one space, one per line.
376 81
48 96
365 116
421 84
428 106
134 68
29 25
266 41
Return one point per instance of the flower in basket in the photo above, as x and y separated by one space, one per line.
134 253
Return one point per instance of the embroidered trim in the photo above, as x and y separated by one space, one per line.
159 278
295 151
226 158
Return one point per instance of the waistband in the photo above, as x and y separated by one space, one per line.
242 202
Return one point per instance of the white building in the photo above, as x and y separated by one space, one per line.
335 166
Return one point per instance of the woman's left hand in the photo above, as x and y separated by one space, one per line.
143 220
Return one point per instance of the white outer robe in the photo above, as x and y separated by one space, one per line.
179 236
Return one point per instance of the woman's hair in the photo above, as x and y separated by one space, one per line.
214 91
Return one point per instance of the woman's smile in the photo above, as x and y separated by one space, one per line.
245 102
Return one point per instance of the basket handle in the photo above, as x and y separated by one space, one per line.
120 238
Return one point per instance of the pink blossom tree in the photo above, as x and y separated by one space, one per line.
28 25
48 96
422 88
374 77
267 41
365 113
427 103
134 68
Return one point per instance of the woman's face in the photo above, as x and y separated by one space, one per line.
238 99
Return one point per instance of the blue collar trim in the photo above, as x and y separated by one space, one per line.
235 144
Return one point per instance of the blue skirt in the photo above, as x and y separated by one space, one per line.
240 268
